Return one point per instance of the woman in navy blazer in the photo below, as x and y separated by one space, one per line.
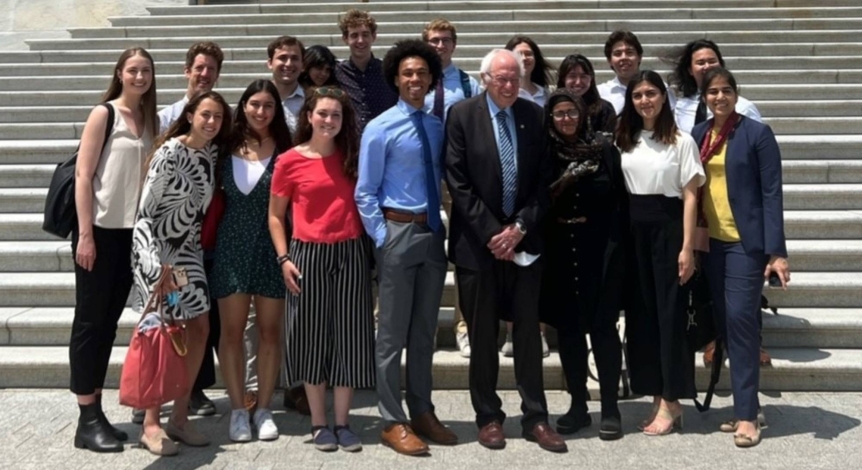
742 207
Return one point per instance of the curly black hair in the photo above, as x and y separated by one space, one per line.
411 48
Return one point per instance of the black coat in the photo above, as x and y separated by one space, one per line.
584 261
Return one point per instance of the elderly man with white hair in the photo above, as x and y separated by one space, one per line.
498 174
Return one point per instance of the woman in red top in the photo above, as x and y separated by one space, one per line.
330 329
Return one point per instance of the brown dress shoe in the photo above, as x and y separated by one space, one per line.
249 400
428 426
765 358
296 399
708 353
491 436
401 438
546 437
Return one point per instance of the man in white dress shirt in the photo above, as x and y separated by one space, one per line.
202 68
624 53
456 85
285 61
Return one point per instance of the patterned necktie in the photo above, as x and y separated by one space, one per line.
507 162
438 99
431 184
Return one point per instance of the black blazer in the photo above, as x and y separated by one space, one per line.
753 168
475 180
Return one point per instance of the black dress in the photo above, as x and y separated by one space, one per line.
584 270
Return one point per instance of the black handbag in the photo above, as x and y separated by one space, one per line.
60 215
701 330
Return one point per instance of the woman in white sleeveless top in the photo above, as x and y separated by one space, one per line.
107 183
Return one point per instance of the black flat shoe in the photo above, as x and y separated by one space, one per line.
200 404
573 421
611 428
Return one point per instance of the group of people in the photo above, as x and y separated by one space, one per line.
564 207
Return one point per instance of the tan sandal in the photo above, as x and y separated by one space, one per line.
743 441
643 424
664 413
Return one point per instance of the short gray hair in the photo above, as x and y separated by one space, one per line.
486 61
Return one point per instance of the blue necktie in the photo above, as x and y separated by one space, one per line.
431 183
507 162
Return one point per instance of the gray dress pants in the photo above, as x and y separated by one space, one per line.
411 269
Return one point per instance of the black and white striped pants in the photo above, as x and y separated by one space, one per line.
330 324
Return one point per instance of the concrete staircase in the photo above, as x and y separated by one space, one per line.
798 60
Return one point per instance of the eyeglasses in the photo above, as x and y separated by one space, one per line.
503 81
332 91
444 41
560 115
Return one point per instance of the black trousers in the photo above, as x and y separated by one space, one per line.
506 291
100 297
206 375
658 353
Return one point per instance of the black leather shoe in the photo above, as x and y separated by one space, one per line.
573 421
118 433
200 404
611 427
92 434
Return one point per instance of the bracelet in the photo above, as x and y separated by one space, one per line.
283 259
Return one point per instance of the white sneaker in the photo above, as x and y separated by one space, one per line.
508 349
266 428
546 351
239 430
463 343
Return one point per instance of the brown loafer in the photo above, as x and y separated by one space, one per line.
765 358
401 438
428 426
708 353
249 400
295 399
546 437
491 436
187 434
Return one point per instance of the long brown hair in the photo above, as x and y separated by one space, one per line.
183 126
148 100
631 123
347 140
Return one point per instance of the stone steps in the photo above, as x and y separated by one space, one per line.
809 289
608 4
800 225
787 125
798 369
792 327
176 53
38 175
836 152
83 78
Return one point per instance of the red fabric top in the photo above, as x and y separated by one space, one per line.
321 197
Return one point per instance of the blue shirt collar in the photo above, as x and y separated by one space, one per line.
407 109
494 109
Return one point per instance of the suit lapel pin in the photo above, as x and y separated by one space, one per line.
522 126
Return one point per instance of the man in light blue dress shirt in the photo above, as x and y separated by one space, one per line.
397 194
455 86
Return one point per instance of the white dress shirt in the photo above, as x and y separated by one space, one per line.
540 97
615 92
292 104
168 115
686 109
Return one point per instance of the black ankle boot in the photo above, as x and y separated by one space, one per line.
611 427
118 434
92 434
575 419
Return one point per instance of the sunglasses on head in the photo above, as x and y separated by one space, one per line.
332 91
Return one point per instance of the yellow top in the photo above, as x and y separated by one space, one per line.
716 205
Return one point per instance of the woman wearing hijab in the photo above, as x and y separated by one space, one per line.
584 256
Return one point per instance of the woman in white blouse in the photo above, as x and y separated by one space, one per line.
537 70
690 65
662 171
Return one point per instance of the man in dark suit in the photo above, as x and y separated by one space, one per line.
498 174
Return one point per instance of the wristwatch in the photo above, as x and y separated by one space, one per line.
521 227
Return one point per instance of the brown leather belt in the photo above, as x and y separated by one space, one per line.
405 217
